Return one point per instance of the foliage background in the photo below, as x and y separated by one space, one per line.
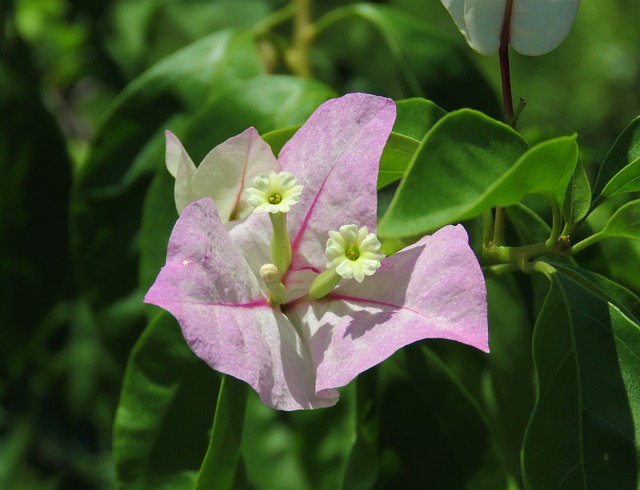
73 93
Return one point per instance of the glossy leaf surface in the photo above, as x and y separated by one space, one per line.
463 155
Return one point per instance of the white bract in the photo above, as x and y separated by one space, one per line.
223 173
274 192
353 253
535 26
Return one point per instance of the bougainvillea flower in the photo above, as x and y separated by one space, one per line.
222 175
535 26
295 352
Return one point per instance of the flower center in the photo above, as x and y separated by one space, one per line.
275 199
352 253
273 192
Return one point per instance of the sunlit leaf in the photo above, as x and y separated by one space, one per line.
459 160
620 170
625 222
578 197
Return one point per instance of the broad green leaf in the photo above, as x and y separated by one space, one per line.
620 170
396 158
128 148
545 168
625 181
416 116
166 407
392 53
458 161
624 299
220 464
431 429
577 200
625 222
265 102
587 414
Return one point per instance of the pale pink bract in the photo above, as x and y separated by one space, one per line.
296 354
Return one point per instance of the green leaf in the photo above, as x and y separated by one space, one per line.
620 170
220 463
266 103
577 201
166 406
625 222
128 148
416 116
545 168
587 414
458 161
624 299
396 158
431 428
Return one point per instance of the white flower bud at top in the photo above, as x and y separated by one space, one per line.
535 26
273 192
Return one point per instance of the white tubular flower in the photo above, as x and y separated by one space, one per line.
535 27
273 192
353 253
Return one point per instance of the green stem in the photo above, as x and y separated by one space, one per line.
499 226
487 228
587 242
497 269
556 226
505 75
518 256
280 244
219 466
303 35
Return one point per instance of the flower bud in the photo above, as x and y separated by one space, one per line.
535 27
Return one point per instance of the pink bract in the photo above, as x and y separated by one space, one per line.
296 354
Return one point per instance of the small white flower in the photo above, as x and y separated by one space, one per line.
353 253
273 192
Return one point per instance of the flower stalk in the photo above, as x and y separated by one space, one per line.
280 244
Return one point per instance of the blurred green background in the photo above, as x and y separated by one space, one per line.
65 340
